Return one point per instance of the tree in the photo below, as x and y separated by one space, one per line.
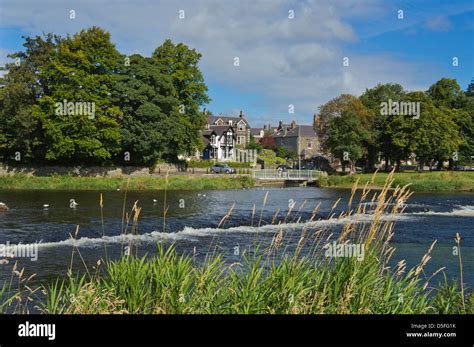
328 111
268 142
253 144
447 93
21 86
282 152
373 99
448 96
346 138
465 120
81 73
335 108
151 127
436 135
181 64
470 89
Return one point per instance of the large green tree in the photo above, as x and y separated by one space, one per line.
152 127
347 137
436 135
448 96
82 69
334 109
20 88
447 93
181 64
373 99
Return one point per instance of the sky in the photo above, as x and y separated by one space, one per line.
290 52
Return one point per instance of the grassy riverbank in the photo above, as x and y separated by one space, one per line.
263 280
426 181
178 182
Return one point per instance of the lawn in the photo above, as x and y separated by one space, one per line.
426 181
181 182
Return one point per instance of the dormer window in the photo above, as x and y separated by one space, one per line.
230 122
241 126
213 138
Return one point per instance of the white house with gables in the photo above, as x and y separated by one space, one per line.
219 142
223 135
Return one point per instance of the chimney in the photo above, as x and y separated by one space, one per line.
280 125
293 125
241 114
317 123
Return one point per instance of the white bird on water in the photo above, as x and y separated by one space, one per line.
45 206
3 207
155 201
73 203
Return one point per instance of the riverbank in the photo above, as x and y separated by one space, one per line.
426 181
177 182
444 181
349 272
334 258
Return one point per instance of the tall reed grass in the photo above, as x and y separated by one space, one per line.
268 278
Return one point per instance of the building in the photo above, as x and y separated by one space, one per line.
257 133
239 124
300 139
219 142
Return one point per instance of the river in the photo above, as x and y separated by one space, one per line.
192 220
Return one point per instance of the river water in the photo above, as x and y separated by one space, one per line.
192 220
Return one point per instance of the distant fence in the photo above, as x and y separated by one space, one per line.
292 175
244 155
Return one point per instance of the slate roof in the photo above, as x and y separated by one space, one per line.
304 130
235 120
256 131
220 129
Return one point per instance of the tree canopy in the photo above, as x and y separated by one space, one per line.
76 99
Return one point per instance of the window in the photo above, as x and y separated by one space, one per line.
213 139
241 126
229 139
230 122
240 140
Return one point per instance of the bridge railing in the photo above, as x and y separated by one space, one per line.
297 175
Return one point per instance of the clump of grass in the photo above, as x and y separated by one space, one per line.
269 279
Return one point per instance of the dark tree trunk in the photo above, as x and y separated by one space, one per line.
421 165
440 164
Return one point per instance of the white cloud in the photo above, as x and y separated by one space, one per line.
285 61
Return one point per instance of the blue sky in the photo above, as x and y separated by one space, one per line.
283 61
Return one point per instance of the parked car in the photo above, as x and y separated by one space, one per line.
222 168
